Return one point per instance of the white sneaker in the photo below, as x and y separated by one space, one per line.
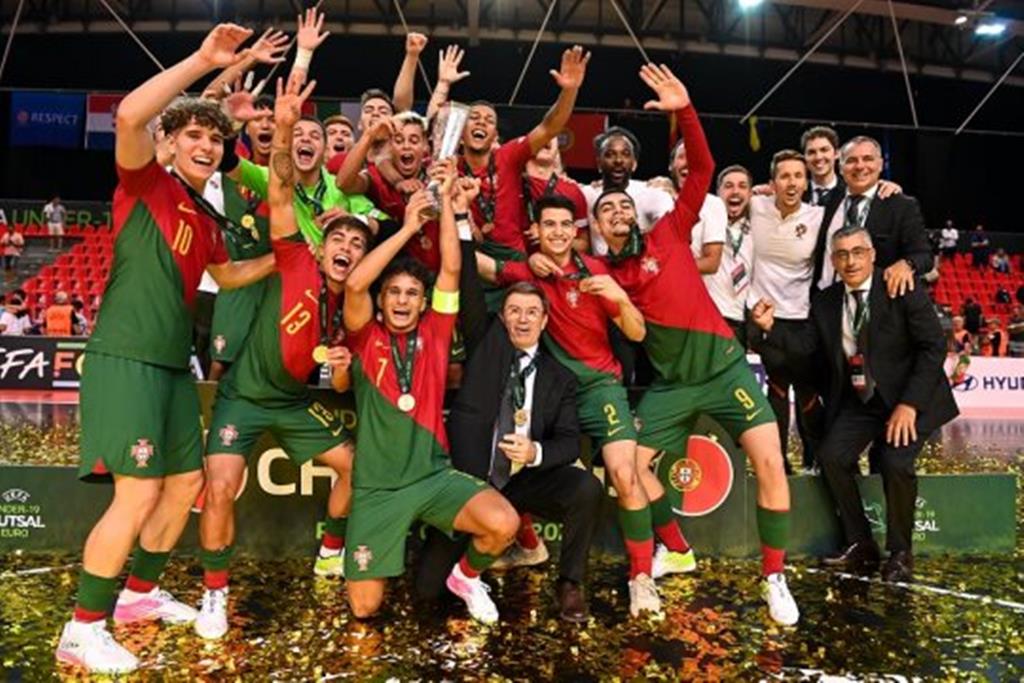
476 595
91 646
781 605
331 565
156 604
518 556
643 596
670 562
212 622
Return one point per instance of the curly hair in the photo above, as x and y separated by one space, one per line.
185 110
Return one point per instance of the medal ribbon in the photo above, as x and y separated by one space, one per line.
737 243
403 366
241 237
859 316
518 379
581 267
328 328
531 207
317 200
633 247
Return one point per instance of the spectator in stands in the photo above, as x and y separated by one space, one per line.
948 239
59 318
961 337
1015 330
55 215
12 323
971 311
79 323
1001 262
997 338
1003 295
979 247
11 244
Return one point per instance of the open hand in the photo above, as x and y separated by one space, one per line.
899 277
270 47
289 101
573 68
220 47
672 94
901 428
309 35
448 61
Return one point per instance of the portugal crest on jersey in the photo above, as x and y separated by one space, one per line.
219 342
650 265
228 434
801 230
363 556
573 297
142 451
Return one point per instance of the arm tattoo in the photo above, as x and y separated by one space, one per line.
281 164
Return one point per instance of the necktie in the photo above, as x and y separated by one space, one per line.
852 209
501 466
860 331
819 195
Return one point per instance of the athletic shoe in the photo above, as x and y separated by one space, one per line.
643 596
91 646
518 556
333 565
212 622
671 562
781 605
476 595
156 604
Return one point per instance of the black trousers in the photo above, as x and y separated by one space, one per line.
566 494
857 425
810 415
739 328
201 332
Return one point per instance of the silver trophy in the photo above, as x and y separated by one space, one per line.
445 138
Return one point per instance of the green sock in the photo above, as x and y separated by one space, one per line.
335 526
477 560
148 566
773 527
216 560
661 512
636 524
96 593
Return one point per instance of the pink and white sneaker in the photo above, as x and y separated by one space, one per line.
475 593
90 646
156 604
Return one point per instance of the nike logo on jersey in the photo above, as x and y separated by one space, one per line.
613 432
185 208
751 416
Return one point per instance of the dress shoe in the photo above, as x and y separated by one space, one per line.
862 556
899 567
572 606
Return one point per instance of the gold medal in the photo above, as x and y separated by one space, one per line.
406 402
248 222
320 354
521 416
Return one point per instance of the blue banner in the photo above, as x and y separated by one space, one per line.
47 119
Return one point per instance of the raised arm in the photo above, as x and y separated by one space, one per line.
351 178
308 37
358 303
405 84
281 189
269 49
451 253
569 78
673 97
448 74
134 146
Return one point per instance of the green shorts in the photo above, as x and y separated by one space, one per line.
381 518
233 315
138 420
667 412
303 430
604 414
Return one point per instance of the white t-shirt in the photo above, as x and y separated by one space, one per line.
728 286
55 214
12 324
710 229
213 193
783 256
949 238
651 204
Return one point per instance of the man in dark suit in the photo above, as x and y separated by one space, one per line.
895 223
513 423
884 378
820 146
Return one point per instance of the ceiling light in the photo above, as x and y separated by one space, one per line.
749 4
990 28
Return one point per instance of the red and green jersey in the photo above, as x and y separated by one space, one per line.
162 245
577 332
424 246
397 448
500 201
687 339
278 356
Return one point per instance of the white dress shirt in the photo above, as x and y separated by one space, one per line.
849 309
710 227
828 274
524 429
783 256
651 204
949 238
816 189
728 286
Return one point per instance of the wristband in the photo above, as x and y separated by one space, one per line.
229 161
302 58
462 216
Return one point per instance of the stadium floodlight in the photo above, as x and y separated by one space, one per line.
747 5
960 20
990 29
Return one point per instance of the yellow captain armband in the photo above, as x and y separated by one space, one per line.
446 302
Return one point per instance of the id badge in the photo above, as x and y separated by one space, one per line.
739 277
857 377
326 376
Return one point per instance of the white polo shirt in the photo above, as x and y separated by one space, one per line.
729 286
710 228
651 204
783 256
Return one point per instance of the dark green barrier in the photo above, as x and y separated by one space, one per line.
281 506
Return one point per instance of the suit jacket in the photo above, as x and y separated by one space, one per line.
906 349
896 226
474 412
